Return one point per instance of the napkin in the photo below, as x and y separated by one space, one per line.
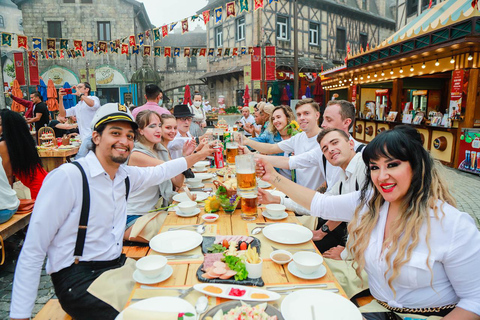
114 286
148 226
346 276
135 314
266 247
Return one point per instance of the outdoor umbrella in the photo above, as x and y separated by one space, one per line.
17 92
187 97
285 99
307 92
42 88
276 93
318 90
68 100
52 102
246 97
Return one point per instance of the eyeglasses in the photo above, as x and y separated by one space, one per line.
185 119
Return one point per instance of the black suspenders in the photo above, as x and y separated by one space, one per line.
85 212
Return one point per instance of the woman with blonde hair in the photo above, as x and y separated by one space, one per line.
421 254
153 135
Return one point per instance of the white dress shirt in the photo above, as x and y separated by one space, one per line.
84 114
454 257
175 147
54 224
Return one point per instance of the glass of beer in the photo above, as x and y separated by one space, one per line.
249 206
232 152
235 127
246 180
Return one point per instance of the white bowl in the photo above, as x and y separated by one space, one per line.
275 210
151 266
307 262
203 163
200 168
275 255
212 217
187 206
194 182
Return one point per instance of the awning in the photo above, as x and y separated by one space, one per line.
207 75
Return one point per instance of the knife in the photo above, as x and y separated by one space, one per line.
183 256
296 287
186 293
291 291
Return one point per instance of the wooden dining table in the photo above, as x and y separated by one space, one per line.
185 271
54 158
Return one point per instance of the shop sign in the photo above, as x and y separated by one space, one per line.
381 91
420 92
59 76
456 94
109 76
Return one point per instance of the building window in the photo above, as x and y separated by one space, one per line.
240 23
363 40
426 3
68 1
364 4
412 7
171 63
314 34
218 37
2 22
104 31
282 28
341 39
86 1
192 62
54 29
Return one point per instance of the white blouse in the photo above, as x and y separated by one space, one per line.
454 257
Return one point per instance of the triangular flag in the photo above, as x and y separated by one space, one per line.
167 52
22 42
6 39
157 51
37 43
156 34
206 16
243 5
131 41
64 44
230 9
203 51
147 50
258 4
184 26
176 52
164 31
124 48
218 15
172 25
186 52
51 44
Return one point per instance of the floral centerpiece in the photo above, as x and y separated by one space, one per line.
212 204
227 202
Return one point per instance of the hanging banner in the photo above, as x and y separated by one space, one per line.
230 9
19 68
243 5
33 71
354 94
22 41
206 16
184 26
456 95
270 63
257 63
258 4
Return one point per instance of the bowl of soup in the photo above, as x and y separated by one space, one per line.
281 256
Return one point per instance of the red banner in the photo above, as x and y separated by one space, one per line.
33 69
257 63
270 67
19 68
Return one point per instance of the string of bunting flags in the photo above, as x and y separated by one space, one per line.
54 48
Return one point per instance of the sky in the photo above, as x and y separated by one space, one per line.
163 12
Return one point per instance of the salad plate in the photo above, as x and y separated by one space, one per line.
236 292
176 241
228 306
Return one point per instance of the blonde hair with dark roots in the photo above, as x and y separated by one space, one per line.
428 191
288 113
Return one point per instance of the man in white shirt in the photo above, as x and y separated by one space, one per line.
78 253
308 113
246 118
84 111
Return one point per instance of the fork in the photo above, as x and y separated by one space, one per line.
312 250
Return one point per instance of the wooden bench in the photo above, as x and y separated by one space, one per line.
52 311
16 223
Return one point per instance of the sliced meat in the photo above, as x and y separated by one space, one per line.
219 264
228 274
208 276
219 271
210 259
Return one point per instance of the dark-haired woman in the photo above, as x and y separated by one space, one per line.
421 254
18 152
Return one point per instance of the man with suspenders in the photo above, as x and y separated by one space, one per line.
79 218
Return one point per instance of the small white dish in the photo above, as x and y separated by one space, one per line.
140 278
194 181
201 185
180 213
320 272
200 168
279 252
280 217
213 217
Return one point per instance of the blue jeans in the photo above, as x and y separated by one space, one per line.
84 148
6 214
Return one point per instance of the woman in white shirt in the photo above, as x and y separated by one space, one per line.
421 254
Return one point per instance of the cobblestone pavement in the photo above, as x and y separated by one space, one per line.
464 186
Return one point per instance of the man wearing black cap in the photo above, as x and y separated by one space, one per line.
94 192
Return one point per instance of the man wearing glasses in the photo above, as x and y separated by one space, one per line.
84 111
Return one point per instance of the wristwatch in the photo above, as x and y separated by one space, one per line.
325 228
80 96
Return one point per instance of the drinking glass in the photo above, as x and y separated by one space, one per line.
245 168
232 152
249 204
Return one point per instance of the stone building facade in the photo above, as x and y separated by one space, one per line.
90 20
324 30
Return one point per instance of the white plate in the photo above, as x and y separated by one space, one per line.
199 170
176 241
287 233
320 272
187 215
263 184
268 216
201 185
277 193
183 196
204 176
326 305
140 278
162 304
227 287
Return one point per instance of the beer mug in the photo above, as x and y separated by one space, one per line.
232 152
246 180
249 203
